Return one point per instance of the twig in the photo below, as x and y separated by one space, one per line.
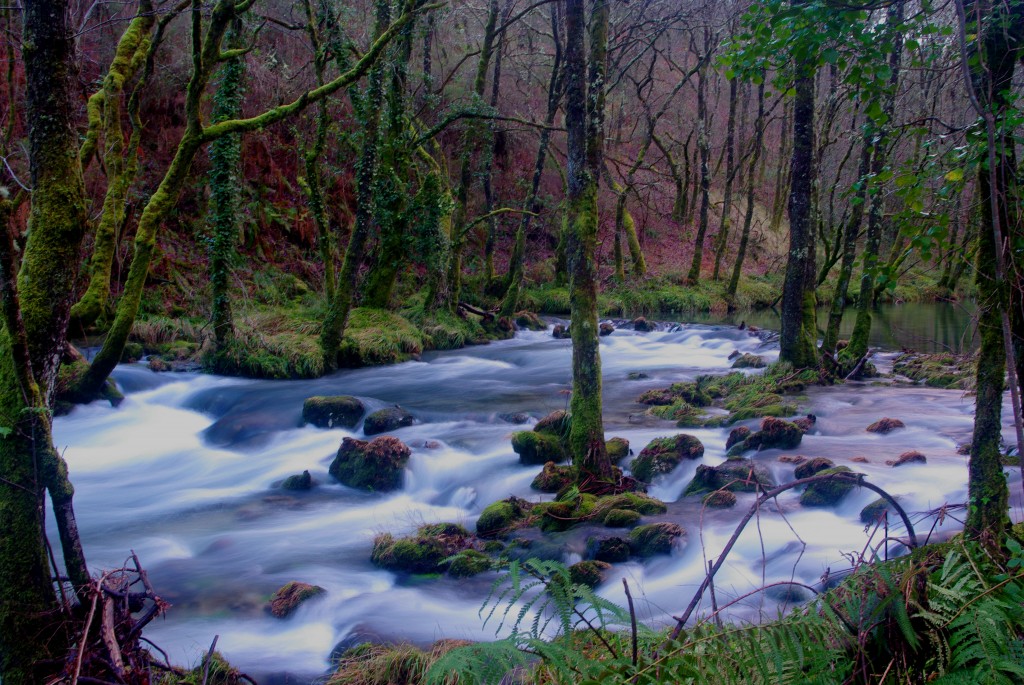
208 658
632 619
85 634
711 589
110 638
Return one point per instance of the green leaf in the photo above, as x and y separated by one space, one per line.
4 431
955 175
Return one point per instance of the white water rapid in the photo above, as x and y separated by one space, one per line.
184 473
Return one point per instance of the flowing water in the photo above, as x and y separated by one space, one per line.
184 472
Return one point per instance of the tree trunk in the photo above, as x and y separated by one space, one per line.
797 344
586 437
722 240
748 216
704 147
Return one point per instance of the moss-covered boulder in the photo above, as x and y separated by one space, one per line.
642 325
333 410
559 332
827 493
423 552
812 466
908 457
874 511
375 465
774 433
538 448
387 419
611 550
500 517
590 573
617 448
662 455
937 370
885 425
469 563
719 499
631 501
749 361
529 321
654 538
288 598
805 423
621 518
298 482
737 475
737 435
606 328
556 423
553 478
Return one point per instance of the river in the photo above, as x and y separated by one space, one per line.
184 472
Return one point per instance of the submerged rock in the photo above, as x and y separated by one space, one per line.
376 465
885 425
805 423
813 466
748 361
387 419
424 552
827 493
662 455
333 410
589 573
288 598
654 538
875 510
299 481
909 457
621 518
529 321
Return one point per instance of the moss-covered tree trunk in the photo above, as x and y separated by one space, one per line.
366 174
999 31
36 308
104 109
586 437
704 151
225 181
797 344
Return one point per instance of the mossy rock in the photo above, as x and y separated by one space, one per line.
453 530
611 550
590 573
288 598
692 393
298 482
334 410
500 517
874 511
749 361
418 554
469 563
617 448
387 419
909 457
556 423
642 325
376 465
133 352
621 518
529 321
631 501
827 493
737 475
937 370
885 425
654 538
553 478
737 435
560 332
776 433
662 455
720 499
606 328
538 448
564 514
812 466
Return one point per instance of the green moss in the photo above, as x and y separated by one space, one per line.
298 482
829 492
409 555
812 467
553 478
662 455
617 448
621 518
387 419
873 511
287 599
469 563
499 518
538 448
376 465
330 411
589 573
654 538
447 529
937 370
611 550
632 501
378 336
719 499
